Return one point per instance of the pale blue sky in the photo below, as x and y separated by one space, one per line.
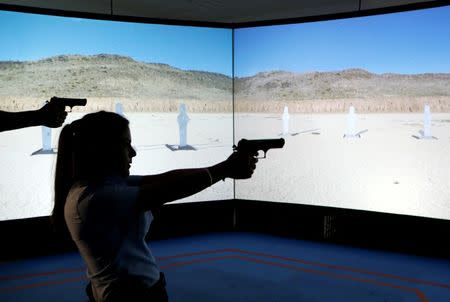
26 37
409 43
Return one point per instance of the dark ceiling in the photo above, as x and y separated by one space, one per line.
223 13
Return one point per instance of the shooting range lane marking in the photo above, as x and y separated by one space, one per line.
345 268
227 250
41 284
43 274
420 295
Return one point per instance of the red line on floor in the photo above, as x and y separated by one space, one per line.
413 290
345 268
39 284
416 291
312 263
163 258
71 270
43 274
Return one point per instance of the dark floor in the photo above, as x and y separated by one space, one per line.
249 267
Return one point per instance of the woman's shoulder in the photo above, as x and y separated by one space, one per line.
113 189
109 189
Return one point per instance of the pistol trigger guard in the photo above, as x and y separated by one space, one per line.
260 157
265 153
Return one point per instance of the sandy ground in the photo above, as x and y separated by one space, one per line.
386 170
27 181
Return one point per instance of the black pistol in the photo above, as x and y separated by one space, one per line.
69 102
256 145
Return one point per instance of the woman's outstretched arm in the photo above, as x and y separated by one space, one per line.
155 190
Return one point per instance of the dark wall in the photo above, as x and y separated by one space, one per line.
192 218
407 234
400 233
24 238
35 236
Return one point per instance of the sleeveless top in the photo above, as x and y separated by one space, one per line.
109 231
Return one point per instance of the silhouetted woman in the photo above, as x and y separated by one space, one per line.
108 213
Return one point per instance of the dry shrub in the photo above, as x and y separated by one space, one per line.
386 105
129 105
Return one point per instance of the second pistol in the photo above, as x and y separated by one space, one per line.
69 102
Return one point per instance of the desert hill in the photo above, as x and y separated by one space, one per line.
106 78
109 76
345 84
329 92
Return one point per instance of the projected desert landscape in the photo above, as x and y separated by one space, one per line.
335 92
386 169
106 79
150 94
27 180
388 165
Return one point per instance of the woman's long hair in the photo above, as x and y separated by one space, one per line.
86 149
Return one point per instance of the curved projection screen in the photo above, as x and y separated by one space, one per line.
147 72
364 106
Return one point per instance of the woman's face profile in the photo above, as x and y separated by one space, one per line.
125 153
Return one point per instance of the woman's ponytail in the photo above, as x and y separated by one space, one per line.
64 178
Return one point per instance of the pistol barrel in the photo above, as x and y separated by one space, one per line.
253 146
70 101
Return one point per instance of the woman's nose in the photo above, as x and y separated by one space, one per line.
133 151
